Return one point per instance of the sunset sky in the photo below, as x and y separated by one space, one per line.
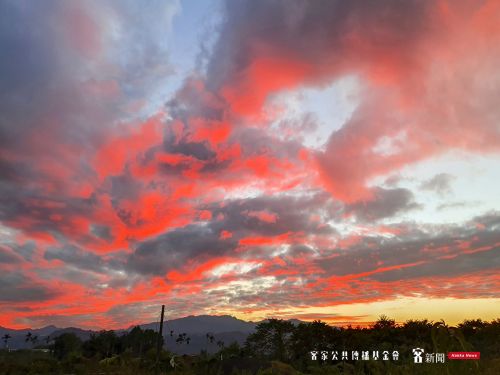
333 160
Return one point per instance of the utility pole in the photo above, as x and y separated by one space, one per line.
160 338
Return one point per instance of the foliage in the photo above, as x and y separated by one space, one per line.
272 339
277 347
66 344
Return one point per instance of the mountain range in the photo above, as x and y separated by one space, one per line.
225 328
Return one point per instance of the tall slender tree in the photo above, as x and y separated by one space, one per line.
6 339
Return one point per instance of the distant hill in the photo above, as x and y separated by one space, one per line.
81 333
225 328
18 336
204 324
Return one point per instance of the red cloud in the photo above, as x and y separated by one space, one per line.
121 150
423 70
263 215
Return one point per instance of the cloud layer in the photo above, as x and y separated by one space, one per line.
123 184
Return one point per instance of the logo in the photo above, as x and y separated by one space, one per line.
354 355
464 355
417 355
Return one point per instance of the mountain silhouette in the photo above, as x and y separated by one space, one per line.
224 328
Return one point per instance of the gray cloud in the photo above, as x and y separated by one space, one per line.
440 183
7 256
173 249
16 287
387 203
461 265
102 232
74 256
414 246
293 214
203 241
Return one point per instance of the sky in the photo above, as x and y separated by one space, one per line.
324 160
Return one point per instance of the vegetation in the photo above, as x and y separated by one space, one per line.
276 347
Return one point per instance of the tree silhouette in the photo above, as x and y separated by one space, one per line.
6 339
183 338
210 339
384 322
137 341
220 344
271 339
66 344
33 339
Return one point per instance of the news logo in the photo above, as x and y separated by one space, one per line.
418 355
464 355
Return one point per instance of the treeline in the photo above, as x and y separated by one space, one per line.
292 344
106 344
276 347
130 352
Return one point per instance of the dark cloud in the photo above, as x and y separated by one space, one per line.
76 257
386 203
317 32
199 150
14 253
444 252
42 212
7 256
102 231
173 249
292 214
16 287
490 221
203 241
460 265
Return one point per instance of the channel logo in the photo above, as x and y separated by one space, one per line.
464 355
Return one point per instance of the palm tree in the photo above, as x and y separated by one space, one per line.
31 338
384 322
182 338
220 344
210 339
5 339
